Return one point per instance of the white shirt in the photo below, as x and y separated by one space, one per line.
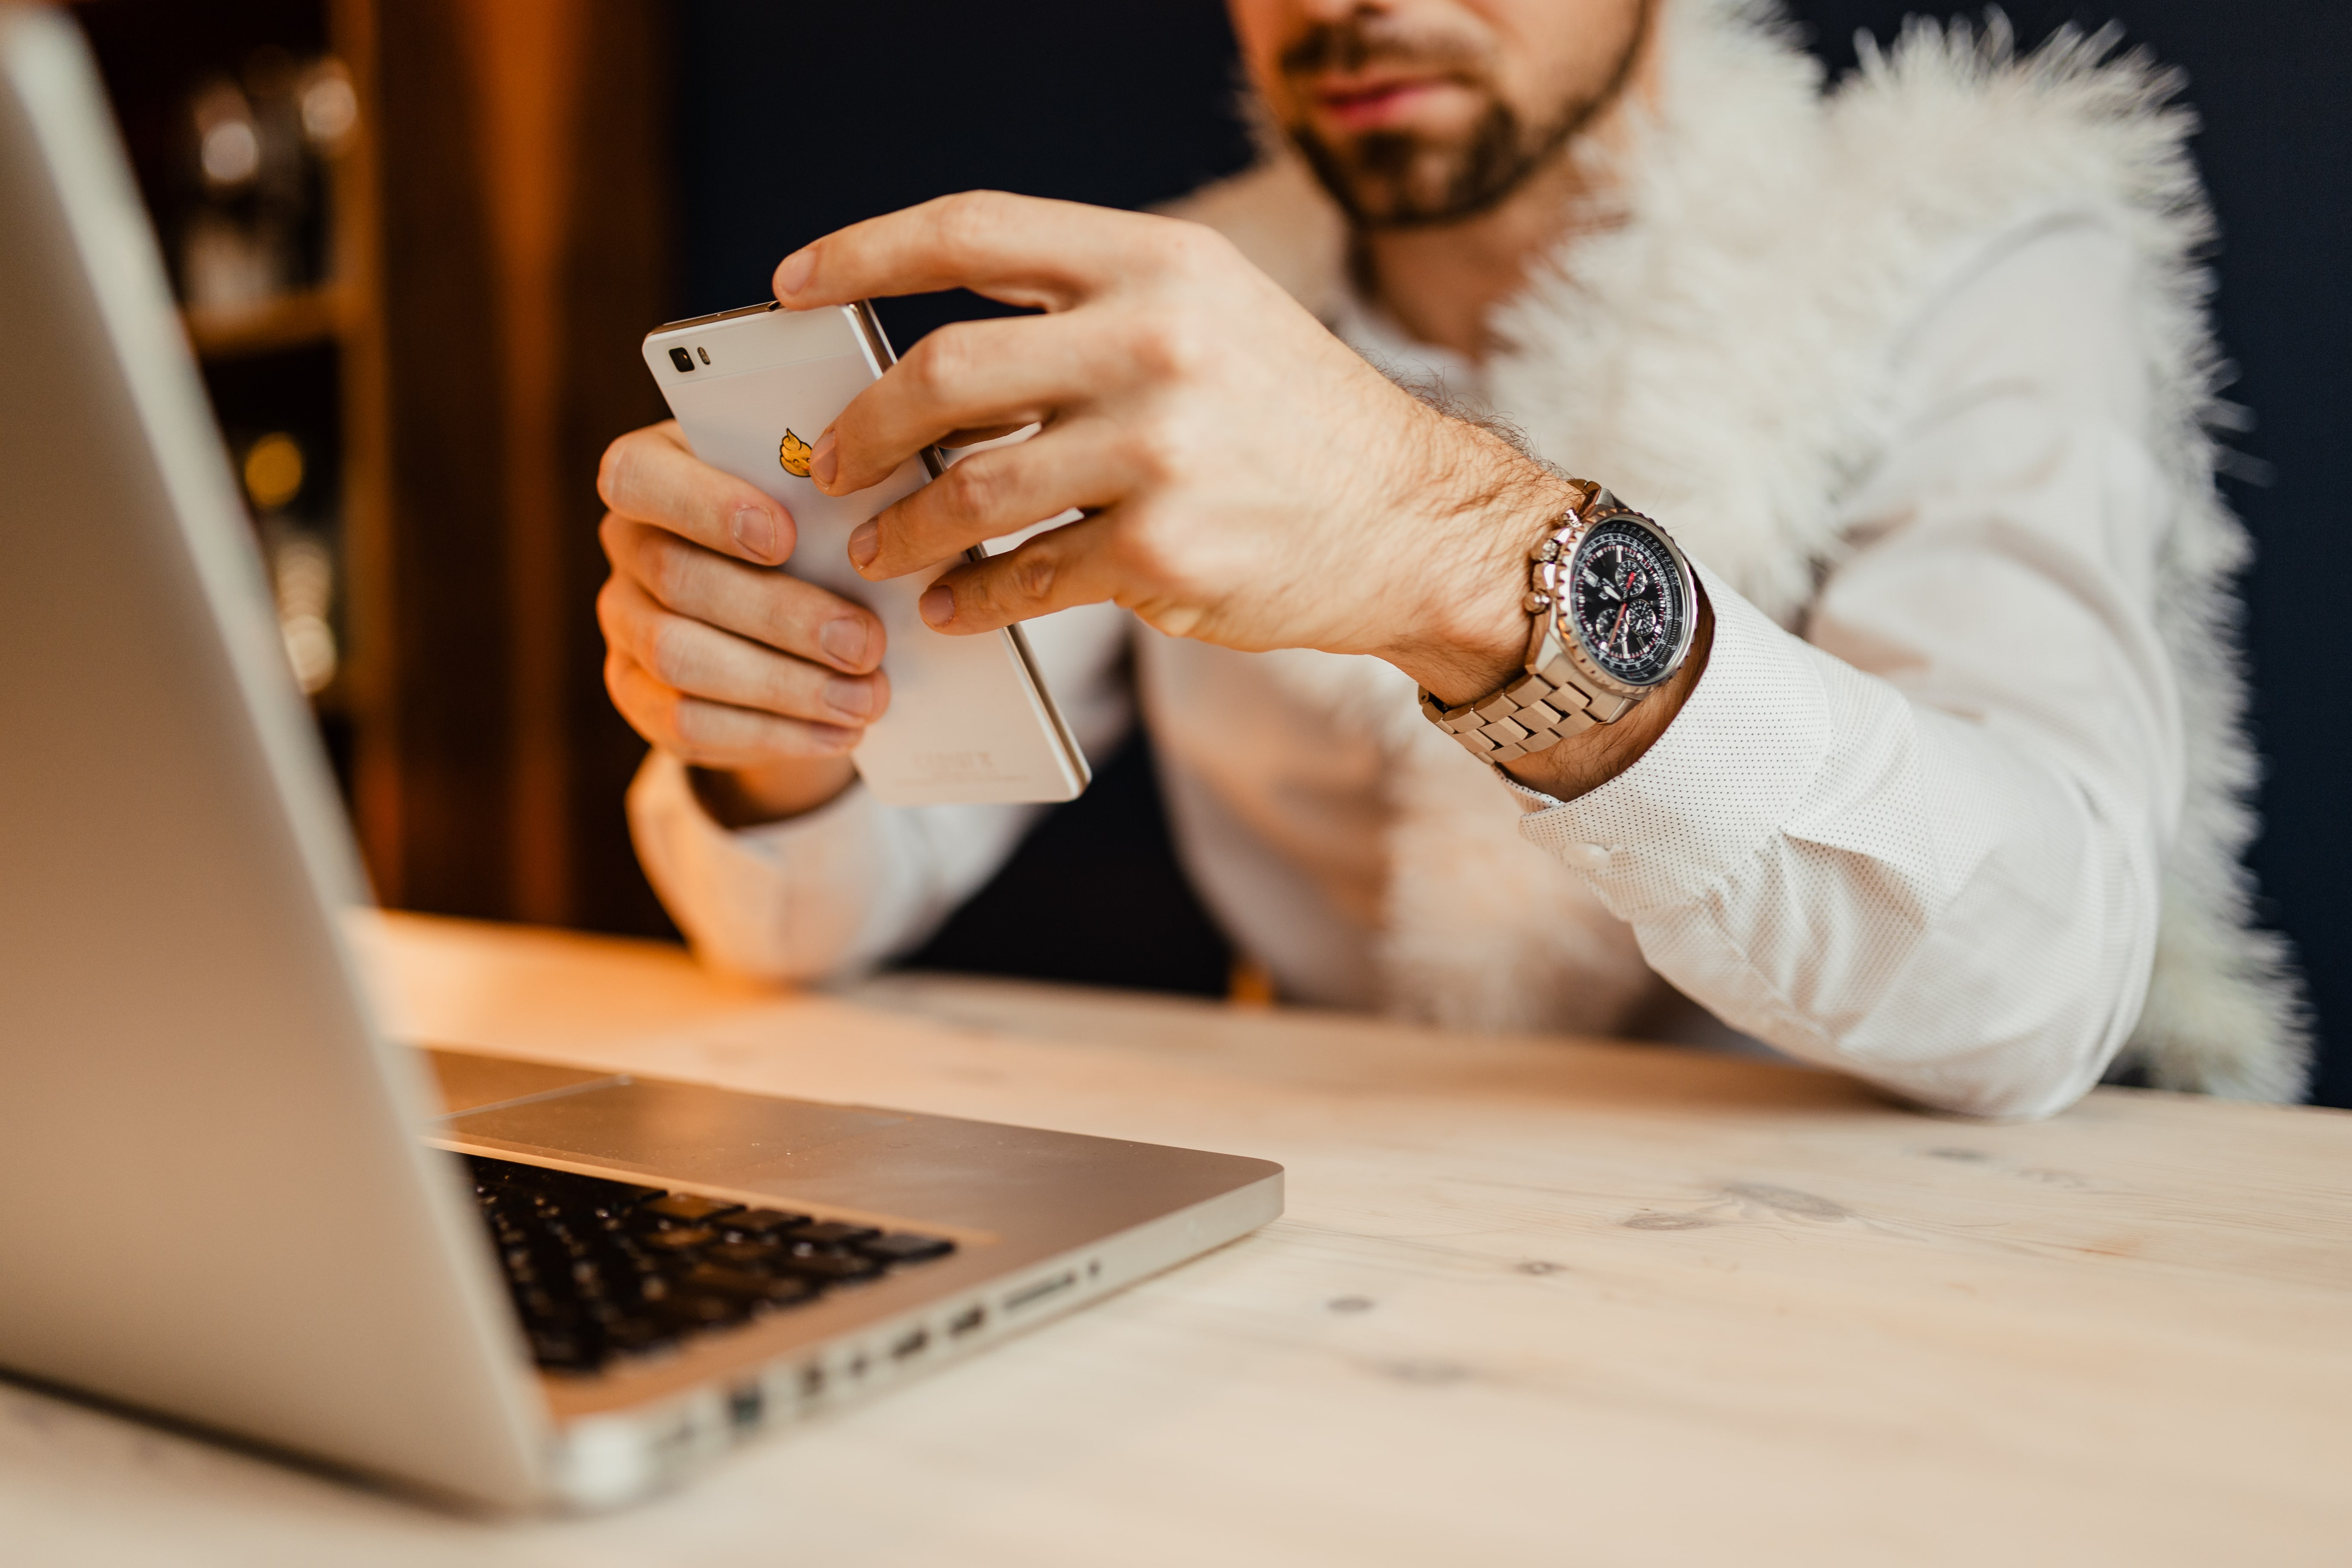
1917 839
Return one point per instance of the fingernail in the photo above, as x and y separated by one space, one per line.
938 604
755 532
854 697
792 272
865 542
824 460
842 641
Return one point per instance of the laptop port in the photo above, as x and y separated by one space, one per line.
963 1323
1029 1294
747 1403
811 1380
911 1344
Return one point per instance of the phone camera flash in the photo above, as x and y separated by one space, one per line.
681 359
703 352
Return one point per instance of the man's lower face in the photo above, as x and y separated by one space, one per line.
1420 112
1398 179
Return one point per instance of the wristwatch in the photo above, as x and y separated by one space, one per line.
1613 604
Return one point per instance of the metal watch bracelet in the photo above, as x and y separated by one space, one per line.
1552 700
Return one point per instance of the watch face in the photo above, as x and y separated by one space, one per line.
1625 596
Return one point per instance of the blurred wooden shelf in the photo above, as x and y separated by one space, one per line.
495 226
291 320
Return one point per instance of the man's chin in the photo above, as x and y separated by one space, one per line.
1408 191
1438 136
1383 206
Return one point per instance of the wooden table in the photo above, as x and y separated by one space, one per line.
1534 1301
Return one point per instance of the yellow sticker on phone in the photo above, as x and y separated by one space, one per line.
793 454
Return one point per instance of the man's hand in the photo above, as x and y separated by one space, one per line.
760 680
1247 480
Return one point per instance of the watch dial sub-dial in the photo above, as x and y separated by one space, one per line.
1625 599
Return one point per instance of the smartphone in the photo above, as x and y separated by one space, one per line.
970 720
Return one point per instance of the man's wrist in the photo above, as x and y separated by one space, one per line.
738 798
1473 636
1478 632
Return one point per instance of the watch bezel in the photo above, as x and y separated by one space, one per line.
1570 636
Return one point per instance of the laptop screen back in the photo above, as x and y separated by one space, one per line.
218 1208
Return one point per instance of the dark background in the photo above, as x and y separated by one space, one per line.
1128 105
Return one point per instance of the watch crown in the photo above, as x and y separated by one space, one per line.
1538 602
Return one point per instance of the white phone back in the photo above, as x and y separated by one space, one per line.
970 722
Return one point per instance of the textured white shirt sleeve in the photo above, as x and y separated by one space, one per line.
1920 844
839 890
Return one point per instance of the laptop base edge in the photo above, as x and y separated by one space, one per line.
608 1459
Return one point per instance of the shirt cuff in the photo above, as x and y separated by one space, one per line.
744 896
1716 788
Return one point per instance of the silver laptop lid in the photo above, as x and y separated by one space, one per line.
218 1210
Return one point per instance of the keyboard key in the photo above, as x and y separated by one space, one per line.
566 1350
541 1307
624 1293
832 1232
617 1245
691 1207
903 1247
761 1222
700 1309
638 1333
767 1289
644 1221
595 1191
680 1238
752 1255
831 1268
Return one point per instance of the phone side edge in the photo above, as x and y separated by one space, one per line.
1026 657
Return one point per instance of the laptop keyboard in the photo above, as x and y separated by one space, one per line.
600 1270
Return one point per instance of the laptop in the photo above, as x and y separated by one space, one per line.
232 1201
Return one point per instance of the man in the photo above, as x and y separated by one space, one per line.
1934 775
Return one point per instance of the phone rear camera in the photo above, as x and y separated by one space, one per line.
680 358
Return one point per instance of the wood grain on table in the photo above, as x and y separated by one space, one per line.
1535 1300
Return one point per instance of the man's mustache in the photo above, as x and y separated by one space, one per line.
1352 44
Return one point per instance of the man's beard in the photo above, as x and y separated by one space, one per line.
1402 179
